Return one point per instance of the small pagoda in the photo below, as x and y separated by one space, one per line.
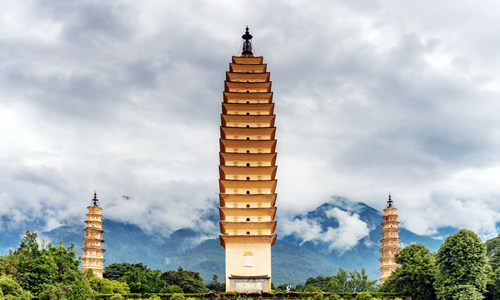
247 172
93 253
390 241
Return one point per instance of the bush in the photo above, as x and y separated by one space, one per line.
363 296
116 297
333 297
279 295
177 296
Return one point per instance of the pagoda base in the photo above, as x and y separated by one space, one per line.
249 283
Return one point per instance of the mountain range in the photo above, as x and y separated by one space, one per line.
339 233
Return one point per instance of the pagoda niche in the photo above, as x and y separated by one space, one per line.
390 241
247 172
93 252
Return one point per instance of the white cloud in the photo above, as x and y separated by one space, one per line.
124 98
344 237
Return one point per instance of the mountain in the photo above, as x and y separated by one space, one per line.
340 233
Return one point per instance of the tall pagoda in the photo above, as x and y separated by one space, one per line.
390 241
247 172
93 252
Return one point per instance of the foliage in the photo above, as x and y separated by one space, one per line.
9 287
80 290
363 296
53 292
216 286
173 288
116 271
141 281
417 274
462 266
493 252
188 281
493 286
107 286
342 282
177 297
116 297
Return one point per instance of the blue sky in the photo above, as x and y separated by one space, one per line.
372 98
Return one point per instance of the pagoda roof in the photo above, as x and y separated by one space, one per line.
247 68
244 108
252 211
245 132
244 198
244 171
247 77
247 184
265 120
243 144
250 87
247 239
243 97
248 60
249 157
226 226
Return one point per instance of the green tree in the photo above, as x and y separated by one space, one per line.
57 291
493 286
107 286
216 286
189 281
417 274
10 289
141 281
80 290
493 252
359 282
462 267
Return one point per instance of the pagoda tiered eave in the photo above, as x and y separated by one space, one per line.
238 239
226 226
269 199
248 60
255 211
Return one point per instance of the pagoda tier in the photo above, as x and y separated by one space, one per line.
248 98
231 200
93 252
247 172
390 241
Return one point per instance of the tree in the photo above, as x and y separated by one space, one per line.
116 271
462 267
493 252
216 286
107 286
189 281
10 289
359 282
140 281
417 274
343 282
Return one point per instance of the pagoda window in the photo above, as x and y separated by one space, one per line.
259 204
248 192
259 163
248 258
235 163
248 138
235 150
248 219
235 177
248 205
248 151
248 126
259 191
248 178
235 205
248 113
248 232
259 177
248 91
248 164
235 191
248 102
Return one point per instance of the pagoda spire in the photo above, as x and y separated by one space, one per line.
390 241
247 44
93 252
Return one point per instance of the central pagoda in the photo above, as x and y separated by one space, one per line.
247 172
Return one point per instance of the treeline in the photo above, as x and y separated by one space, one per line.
463 268
44 271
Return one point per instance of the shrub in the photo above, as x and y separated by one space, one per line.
363 296
177 296
116 297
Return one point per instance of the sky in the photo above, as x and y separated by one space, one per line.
372 97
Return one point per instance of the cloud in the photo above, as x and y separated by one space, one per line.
124 98
344 237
